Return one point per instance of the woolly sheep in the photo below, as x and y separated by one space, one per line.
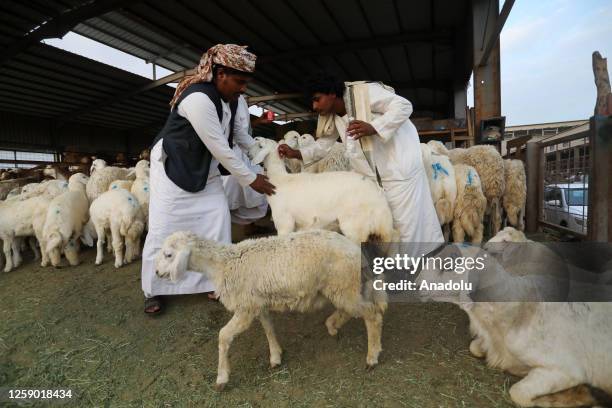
307 201
515 194
442 184
469 206
124 184
559 348
50 188
102 176
16 222
261 275
141 189
117 211
334 161
66 216
490 167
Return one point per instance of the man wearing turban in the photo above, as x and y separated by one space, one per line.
208 116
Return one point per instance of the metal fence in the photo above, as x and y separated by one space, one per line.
561 168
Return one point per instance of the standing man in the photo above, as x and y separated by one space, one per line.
186 190
386 149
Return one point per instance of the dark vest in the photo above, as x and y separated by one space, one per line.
188 160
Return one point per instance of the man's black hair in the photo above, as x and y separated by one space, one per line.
229 71
323 82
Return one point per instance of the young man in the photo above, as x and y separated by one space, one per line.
394 155
185 178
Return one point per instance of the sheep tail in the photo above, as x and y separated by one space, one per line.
135 230
124 226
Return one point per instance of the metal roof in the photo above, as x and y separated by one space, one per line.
420 48
49 82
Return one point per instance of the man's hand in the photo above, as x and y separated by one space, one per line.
358 129
285 151
262 185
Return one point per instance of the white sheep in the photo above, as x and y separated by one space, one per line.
50 188
102 176
261 275
66 215
470 205
124 184
335 160
16 222
291 139
558 347
308 201
117 211
141 188
515 193
490 167
442 185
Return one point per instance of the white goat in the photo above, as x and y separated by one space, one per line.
261 275
308 201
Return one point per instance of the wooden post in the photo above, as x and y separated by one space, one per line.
599 226
602 82
532 206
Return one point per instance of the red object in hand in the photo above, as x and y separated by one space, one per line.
269 115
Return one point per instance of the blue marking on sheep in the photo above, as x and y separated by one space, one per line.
469 178
114 187
438 169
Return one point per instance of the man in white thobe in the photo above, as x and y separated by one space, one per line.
395 155
186 189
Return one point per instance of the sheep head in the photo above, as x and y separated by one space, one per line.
77 182
142 169
292 139
260 149
306 140
173 258
97 164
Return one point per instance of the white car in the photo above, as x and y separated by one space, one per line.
567 205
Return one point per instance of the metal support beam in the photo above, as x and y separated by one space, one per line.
252 100
494 37
58 26
377 42
487 83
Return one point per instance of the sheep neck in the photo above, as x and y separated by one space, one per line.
274 164
209 258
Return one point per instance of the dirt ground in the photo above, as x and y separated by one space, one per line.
83 328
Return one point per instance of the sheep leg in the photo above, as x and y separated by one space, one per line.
34 248
335 321
43 253
237 324
6 247
477 348
275 349
100 245
458 232
446 231
478 233
373 322
109 245
117 244
16 252
539 383
521 219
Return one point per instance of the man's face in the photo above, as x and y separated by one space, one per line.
231 86
323 103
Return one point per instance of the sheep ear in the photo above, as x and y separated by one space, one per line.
182 261
260 156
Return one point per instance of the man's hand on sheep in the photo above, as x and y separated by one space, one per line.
358 129
262 185
285 151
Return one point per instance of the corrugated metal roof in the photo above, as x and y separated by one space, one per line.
49 82
327 33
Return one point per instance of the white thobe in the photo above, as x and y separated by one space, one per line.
205 213
397 154
246 205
